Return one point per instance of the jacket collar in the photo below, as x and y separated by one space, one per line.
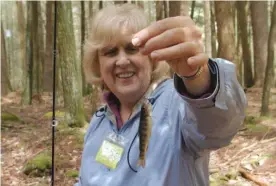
113 104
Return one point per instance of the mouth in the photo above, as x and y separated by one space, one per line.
125 75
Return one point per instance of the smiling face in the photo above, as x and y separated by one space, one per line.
124 70
109 57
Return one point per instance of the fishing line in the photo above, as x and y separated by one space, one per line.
54 122
129 152
132 144
102 110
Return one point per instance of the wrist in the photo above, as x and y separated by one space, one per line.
199 83
193 76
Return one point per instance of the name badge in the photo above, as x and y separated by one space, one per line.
111 150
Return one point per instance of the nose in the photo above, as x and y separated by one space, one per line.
122 59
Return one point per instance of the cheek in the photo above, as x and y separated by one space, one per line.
102 71
105 68
148 68
145 64
146 72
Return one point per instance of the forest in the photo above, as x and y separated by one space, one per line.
243 32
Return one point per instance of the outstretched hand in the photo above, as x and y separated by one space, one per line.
176 40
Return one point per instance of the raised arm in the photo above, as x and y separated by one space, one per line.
212 120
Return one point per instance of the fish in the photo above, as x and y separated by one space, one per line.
144 132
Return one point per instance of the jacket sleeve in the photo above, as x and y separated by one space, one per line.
211 122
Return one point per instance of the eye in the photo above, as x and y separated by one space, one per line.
132 49
111 52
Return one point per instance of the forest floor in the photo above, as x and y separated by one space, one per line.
253 149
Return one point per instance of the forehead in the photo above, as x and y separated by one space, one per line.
115 31
122 37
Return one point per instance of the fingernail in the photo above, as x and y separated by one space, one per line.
136 41
191 60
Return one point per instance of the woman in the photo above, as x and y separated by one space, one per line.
197 111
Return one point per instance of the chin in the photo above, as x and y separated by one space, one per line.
130 91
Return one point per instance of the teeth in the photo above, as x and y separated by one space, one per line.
125 75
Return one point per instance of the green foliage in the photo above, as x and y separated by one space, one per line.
9 117
62 125
72 173
232 175
78 121
252 123
257 128
72 132
251 120
75 124
80 139
64 131
57 113
39 166
216 180
219 179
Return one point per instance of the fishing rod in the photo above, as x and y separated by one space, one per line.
54 121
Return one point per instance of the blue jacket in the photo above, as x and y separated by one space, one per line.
184 132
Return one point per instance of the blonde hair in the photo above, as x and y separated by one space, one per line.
112 23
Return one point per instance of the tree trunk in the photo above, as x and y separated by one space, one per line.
41 51
239 61
70 69
242 21
48 72
141 4
5 24
184 8
193 9
9 46
90 15
120 2
225 30
174 8
269 73
89 87
165 3
213 30
28 67
259 17
159 10
100 4
82 44
149 11
36 48
207 29
238 57
5 82
21 32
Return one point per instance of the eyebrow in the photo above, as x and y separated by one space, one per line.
129 44
104 49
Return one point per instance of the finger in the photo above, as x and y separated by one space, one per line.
159 27
198 60
182 50
171 37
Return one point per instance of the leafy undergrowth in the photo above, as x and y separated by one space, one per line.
28 140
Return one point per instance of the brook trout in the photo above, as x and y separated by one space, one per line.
144 132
